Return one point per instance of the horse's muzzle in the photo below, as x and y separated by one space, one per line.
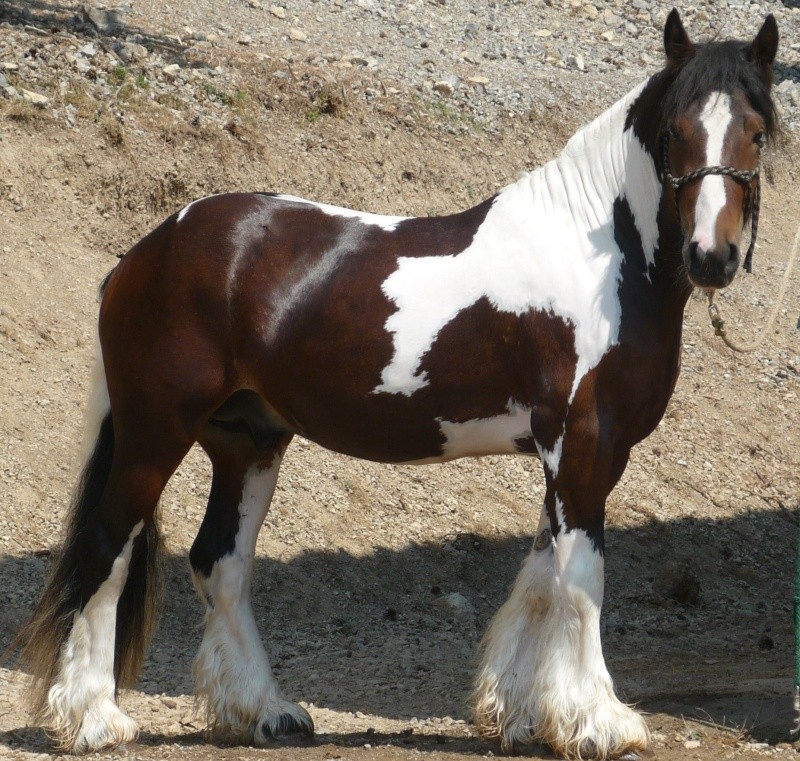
714 268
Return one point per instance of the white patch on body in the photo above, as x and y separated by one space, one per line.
80 704
232 670
385 222
547 243
185 210
716 118
483 436
543 675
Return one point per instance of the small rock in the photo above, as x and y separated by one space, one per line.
245 39
443 87
9 66
89 50
9 92
277 11
297 35
692 744
677 580
34 98
765 642
542 33
104 21
3 81
478 80
171 70
607 36
590 11
137 52
254 3
124 54
455 605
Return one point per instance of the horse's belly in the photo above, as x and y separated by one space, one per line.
408 438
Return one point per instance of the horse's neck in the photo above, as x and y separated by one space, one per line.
603 164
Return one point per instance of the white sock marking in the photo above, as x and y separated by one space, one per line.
81 701
543 672
232 670
716 118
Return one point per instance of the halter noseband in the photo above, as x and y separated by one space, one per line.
743 177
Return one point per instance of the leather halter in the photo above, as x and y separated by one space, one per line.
746 178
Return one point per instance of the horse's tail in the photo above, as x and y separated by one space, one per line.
46 634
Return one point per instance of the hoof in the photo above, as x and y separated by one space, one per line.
294 722
103 728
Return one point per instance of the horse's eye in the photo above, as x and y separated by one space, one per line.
760 138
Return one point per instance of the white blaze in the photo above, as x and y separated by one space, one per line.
715 118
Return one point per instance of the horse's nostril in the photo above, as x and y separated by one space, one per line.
733 253
695 257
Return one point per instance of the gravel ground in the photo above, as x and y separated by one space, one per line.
484 59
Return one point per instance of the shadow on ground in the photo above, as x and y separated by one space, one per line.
50 17
374 633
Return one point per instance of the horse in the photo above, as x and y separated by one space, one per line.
545 321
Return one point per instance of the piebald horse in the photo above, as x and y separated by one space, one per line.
544 321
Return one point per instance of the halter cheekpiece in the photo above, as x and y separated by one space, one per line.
743 177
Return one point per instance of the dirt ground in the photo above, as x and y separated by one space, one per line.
356 560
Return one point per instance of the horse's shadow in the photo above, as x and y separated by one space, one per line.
379 633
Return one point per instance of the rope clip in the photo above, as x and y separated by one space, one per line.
716 318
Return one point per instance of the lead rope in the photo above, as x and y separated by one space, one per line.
719 324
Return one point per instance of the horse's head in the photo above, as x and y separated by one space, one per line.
718 115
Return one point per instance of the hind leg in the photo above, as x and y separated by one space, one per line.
232 670
111 548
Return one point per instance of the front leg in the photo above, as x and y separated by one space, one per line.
543 677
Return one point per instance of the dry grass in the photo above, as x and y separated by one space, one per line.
22 112
113 131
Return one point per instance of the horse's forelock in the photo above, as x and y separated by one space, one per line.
719 67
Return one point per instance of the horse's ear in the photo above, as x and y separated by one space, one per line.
764 47
677 44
